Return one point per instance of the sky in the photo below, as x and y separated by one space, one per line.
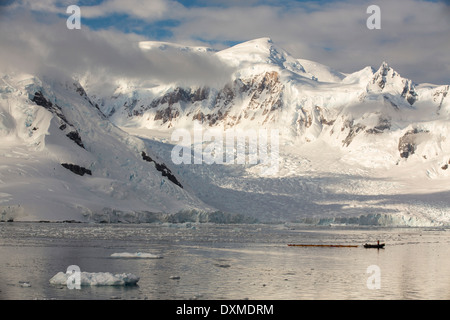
414 37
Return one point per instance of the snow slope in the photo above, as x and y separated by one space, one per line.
47 124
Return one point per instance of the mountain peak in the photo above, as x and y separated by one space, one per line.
261 51
263 41
389 82
384 69
384 64
261 46
385 77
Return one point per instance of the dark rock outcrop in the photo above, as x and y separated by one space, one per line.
81 171
353 132
161 167
408 142
80 90
383 124
409 92
65 126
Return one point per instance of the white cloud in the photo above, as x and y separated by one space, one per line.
50 6
145 10
413 36
39 47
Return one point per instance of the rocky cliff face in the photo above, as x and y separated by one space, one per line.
262 95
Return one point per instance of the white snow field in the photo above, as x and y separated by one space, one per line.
366 148
97 279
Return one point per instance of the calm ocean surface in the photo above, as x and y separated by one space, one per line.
207 261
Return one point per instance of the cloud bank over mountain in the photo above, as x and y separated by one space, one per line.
413 35
48 47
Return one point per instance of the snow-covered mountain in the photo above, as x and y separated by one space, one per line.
368 147
303 98
62 159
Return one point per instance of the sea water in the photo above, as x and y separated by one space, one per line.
213 261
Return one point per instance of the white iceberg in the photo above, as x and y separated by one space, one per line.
135 255
98 279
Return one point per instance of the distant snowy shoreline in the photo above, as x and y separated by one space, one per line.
186 221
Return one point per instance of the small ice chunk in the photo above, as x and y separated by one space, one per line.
24 284
136 255
98 279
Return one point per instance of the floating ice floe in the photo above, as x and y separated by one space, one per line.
98 279
25 284
135 255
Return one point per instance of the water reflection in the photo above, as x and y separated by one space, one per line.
225 261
